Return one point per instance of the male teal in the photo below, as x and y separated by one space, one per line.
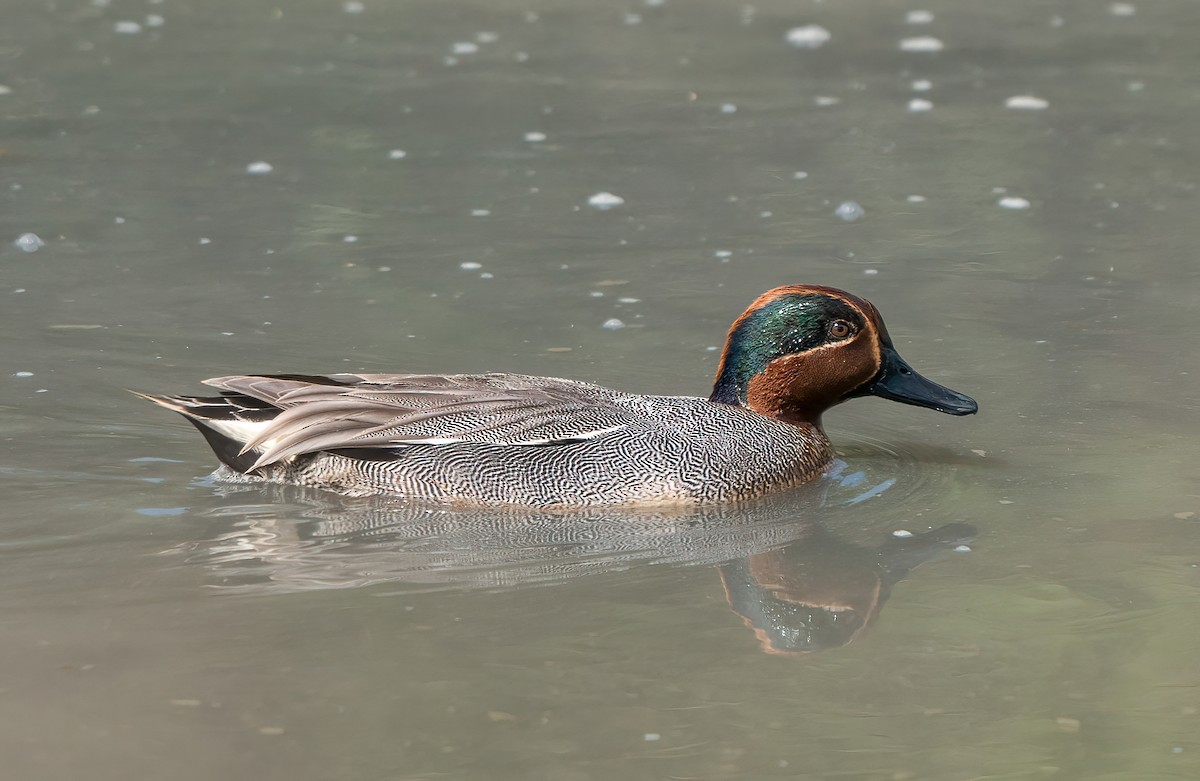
513 439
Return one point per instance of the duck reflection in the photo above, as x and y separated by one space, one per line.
800 587
821 592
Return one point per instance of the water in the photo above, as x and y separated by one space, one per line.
194 171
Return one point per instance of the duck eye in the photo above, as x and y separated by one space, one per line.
840 329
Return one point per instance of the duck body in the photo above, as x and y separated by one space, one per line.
548 442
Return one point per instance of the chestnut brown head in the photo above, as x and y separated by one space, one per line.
799 350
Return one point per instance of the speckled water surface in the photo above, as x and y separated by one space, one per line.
595 191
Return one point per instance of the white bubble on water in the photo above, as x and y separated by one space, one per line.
464 47
849 211
613 324
605 200
1026 103
154 20
470 265
397 154
353 7
728 108
811 36
127 28
487 36
29 242
919 17
916 199
22 374
902 533
917 105
259 167
922 85
535 137
922 43
1013 202
481 212
1122 9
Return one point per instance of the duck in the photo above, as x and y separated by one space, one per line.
548 442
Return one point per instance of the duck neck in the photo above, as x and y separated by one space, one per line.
739 364
727 389
786 389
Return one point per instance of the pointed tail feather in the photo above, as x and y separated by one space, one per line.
212 417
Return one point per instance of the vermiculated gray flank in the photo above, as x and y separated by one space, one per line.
510 439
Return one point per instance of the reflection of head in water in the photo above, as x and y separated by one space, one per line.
820 592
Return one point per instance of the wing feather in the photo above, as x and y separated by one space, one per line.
397 410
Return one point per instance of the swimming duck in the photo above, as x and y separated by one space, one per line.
542 441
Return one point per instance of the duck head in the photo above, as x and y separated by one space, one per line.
800 349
